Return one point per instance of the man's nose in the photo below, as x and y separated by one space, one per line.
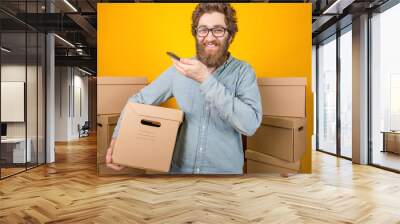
210 36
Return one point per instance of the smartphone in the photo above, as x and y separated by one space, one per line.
174 56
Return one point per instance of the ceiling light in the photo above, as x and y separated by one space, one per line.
338 6
64 40
5 50
84 71
70 5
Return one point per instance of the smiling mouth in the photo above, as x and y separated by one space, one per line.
211 46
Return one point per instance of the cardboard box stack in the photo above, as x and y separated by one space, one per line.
280 142
113 92
112 95
147 137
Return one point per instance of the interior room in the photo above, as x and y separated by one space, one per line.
98 126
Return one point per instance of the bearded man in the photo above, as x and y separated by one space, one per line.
217 92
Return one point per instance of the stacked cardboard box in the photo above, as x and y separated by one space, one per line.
113 92
280 142
112 95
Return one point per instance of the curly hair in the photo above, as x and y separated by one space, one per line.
224 8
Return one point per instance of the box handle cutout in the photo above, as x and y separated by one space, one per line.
300 128
100 125
151 123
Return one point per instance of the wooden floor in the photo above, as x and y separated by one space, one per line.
5 172
387 159
70 192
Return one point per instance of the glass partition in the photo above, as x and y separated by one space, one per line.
385 89
327 96
22 77
346 94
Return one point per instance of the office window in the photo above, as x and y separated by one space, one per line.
385 88
395 102
346 93
314 77
327 96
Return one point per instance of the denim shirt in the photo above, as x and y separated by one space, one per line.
217 112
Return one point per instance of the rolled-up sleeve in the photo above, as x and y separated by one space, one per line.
241 109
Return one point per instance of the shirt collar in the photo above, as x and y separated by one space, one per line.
223 66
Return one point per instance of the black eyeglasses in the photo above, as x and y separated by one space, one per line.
216 31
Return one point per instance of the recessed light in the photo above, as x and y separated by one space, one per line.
337 7
5 50
84 71
70 5
64 40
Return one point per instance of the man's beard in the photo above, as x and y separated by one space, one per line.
215 59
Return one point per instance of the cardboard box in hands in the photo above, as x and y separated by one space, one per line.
147 137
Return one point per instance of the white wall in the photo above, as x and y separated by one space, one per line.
62 81
34 125
81 82
70 83
16 73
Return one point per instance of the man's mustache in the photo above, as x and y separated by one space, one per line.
212 42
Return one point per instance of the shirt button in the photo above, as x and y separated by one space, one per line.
201 148
198 170
204 127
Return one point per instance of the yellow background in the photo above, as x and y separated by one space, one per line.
274 38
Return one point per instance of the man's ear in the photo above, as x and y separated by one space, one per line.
230 39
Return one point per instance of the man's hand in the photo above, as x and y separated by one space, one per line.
192 68
109 158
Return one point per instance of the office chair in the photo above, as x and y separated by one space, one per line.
84 130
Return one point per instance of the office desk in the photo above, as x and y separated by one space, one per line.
391 141
13 150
